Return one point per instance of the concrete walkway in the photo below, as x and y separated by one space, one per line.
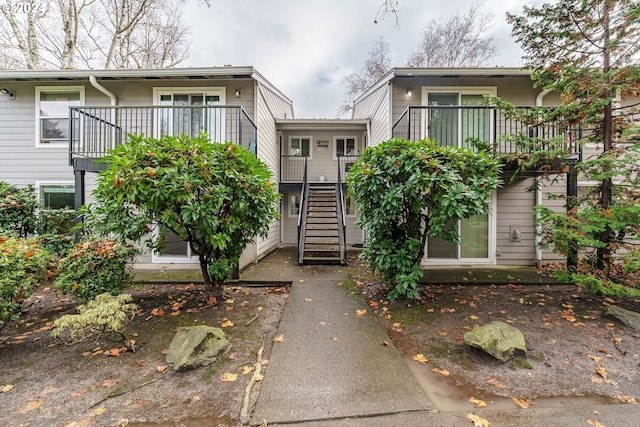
333 368
335 361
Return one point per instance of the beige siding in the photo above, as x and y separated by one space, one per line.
515 211
376 106
548 189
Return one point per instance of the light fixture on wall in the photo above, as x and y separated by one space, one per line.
238 93
9 93
408 93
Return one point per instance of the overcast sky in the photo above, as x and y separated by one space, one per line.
306 47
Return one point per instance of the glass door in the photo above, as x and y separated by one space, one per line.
454 126
473 245
193 118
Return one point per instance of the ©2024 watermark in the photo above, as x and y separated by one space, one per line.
22 7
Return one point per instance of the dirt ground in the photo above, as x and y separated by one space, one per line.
572 349
47 383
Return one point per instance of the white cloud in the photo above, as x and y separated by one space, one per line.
306 47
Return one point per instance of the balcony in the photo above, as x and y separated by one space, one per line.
455 125
292 169
96 130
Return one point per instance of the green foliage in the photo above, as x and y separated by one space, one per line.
23 264
407 191
54 231
95 267
105 314
217 197
17 209
587 53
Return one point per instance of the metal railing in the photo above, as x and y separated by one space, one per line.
96 130
457 125
302 213
342 226
292 168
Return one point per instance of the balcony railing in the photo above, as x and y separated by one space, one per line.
96 130
292 168
456 125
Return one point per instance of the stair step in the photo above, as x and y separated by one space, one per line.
321 214
322 226
319 247
321 240
323 232
321 209
321 260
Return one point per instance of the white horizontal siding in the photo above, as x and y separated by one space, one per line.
515 210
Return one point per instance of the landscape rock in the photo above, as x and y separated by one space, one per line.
498 339
627 317
196 346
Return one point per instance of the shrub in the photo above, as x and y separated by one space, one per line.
94 267
17 209
23 264
104 316
54 231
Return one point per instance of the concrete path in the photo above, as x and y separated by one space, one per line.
332 368
336 361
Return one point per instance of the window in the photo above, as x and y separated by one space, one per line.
52 113
346 146
349 205
198 113
52 196
300 146
294 205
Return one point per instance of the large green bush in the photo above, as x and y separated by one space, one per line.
54 231
216 196
95 267
407 191
17 209
23 264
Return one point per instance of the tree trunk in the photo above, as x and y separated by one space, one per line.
604 253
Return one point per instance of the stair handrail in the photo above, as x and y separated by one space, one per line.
302 213
342 227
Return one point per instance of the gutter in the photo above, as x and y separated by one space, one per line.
538 193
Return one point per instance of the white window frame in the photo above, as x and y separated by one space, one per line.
300 137
290 213
460 90
40 184
355 207
39 90
173 259
490 260
356 143
221 92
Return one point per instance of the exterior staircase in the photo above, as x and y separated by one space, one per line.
322 238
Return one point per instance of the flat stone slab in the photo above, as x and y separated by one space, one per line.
332 363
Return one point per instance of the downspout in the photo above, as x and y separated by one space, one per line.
95 84
538 193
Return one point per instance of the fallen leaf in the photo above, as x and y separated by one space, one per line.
597 380
157 312
477 421
596 359
246 369
444 372
31 406
323 323
228 377
361 313
478 403
601 371
473 317
595 423
258 377
226 324
279 338
626 399
6 388
420 358
115 352
520 402
443 334
46 391
175 313
308 300
161 369
110 382
76 394
495 382
385 343
98 411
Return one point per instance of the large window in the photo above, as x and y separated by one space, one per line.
455 126
55 195
346 146
194 117
52 113
300 146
